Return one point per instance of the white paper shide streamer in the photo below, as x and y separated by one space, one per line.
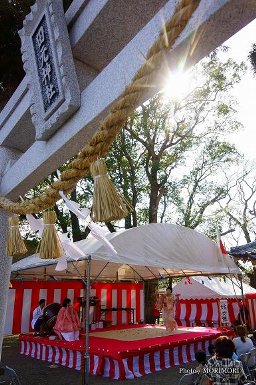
62 264
84 213
36 224
70 248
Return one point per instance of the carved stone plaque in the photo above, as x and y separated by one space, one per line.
48 62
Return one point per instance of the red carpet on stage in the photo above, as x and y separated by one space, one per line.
125 352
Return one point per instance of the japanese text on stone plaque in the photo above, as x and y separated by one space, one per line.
45 65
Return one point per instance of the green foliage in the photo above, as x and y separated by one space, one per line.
223 108
12 14
252 57
200 189
170 150
66 221
171 158
240 203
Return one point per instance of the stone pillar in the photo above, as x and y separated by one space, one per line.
7 157
5 272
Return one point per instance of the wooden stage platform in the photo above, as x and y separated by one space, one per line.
125 352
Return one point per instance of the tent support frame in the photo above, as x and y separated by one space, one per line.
97 276
135 271
78 272
87 322
243 314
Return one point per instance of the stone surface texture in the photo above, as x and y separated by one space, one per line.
214 22
221 18
48 62
8 156
5 272
109 40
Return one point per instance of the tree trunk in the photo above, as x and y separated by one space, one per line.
62 221
149 298
76 231
252 277
110 227
246 233
153 203
134 218
128 222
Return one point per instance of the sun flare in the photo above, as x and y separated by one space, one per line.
178 85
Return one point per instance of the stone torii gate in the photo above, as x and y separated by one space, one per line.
109 41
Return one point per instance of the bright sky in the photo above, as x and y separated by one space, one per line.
240 45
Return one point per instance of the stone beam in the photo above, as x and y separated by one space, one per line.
208 28
90 25
103 28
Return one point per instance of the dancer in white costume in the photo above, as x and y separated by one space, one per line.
166 304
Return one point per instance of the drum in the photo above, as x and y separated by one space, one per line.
50 316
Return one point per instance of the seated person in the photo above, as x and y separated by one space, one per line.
253 338
243 344
67 324
200 379
220 368
235 356
38 320
211 350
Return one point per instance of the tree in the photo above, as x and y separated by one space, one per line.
12 14
160 135
240 205
169 151
67 221
200 190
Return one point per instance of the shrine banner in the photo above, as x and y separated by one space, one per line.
223 311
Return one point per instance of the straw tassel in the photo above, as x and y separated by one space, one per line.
50 245
15 244
108 204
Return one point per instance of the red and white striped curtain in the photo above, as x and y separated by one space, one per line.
24 297
251 306
191 312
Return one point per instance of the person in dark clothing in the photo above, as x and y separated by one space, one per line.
200 379
253 338
221 369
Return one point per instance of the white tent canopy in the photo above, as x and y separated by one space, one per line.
211 287
150 251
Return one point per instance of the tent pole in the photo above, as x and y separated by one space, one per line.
241 284
243 315
87 321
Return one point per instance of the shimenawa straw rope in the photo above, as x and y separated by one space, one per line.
50 245
111 125
108 203
15 245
